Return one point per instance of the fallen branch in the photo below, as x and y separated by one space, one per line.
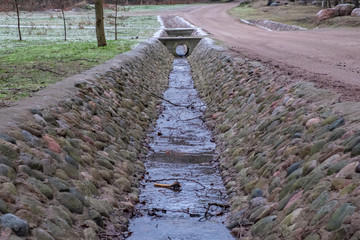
207 214
176 179
176 105
175 186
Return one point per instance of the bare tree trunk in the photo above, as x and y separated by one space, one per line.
116 13
356 3
324 3
100 31
63 14
18 18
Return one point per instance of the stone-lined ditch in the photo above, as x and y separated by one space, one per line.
183 152
289 155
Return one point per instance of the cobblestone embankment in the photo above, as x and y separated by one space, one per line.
288 154
72 169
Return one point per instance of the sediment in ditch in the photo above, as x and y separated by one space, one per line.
288 154
70 167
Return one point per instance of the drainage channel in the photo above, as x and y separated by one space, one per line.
182 151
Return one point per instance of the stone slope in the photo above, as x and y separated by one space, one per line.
288 154
72 169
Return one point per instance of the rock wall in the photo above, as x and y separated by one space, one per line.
72 170
288 153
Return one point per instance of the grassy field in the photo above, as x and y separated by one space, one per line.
292 14
43 57
29 67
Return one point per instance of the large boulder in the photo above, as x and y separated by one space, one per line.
355 12
344 9
326 14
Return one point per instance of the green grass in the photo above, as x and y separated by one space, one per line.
25 69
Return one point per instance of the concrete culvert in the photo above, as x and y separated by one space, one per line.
182 50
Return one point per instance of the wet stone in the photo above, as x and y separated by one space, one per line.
19 226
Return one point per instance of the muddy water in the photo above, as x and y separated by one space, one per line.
181 150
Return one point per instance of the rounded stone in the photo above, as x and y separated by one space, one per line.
7 138
7 171
43 188
338 216
90 234
41 234
9 150
19 226
257 192
71 202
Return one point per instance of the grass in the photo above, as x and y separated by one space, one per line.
27 68
292 14
44 58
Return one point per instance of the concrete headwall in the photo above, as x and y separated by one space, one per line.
70 169
288 154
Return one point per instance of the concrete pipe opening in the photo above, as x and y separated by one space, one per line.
182 50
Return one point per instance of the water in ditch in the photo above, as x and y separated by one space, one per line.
181 150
